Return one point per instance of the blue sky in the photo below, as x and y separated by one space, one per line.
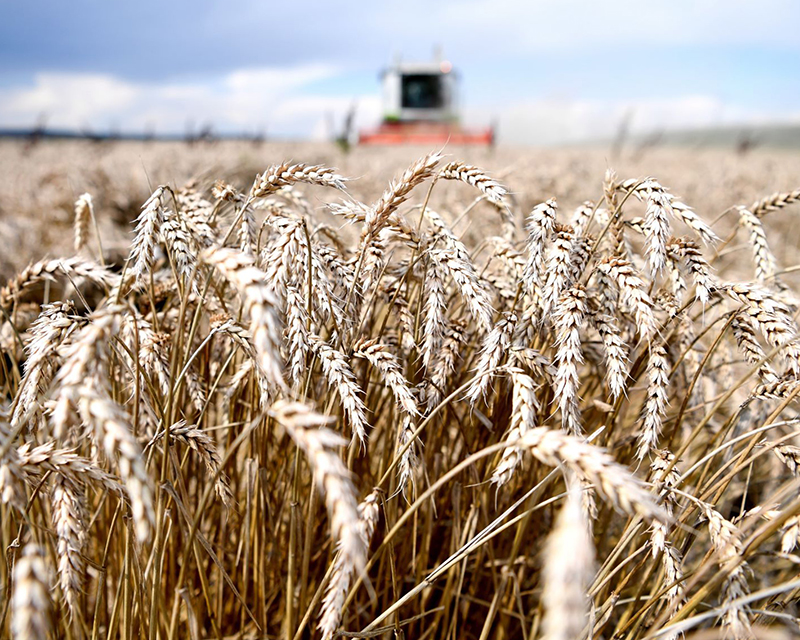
547 72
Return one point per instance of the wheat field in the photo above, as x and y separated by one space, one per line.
284 392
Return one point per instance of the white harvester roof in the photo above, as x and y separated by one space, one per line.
420 91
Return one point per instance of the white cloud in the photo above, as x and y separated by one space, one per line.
75 97
251 99
554 121
277 79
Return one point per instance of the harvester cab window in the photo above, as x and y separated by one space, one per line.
422 91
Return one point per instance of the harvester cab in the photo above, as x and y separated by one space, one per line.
420 107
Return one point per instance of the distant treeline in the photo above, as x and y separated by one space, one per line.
739 138
205 134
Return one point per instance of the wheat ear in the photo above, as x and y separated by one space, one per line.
332 476
260 305
381 358
30 600
568 319
540 225
762 256
74 268
524 408
435 319
478 178
727 541
148 225
494 349
631 289
774 202
397 193
283 175
594 465
53 327
84 211
568 570
340 377
657 399
69 517
202 444
331 612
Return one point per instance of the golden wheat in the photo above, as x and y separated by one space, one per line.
269 414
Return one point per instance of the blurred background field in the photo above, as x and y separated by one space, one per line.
41 182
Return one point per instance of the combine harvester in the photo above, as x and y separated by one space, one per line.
419 107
